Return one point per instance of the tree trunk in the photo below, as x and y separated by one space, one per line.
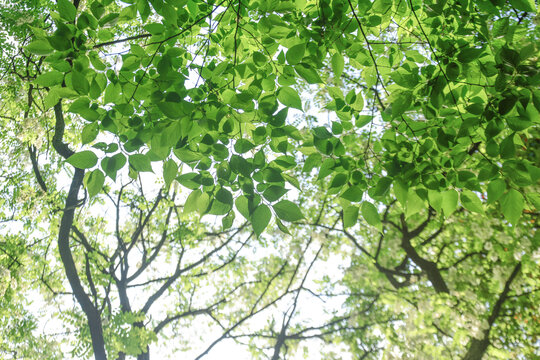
92 314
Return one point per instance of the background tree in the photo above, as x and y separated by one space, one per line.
432 113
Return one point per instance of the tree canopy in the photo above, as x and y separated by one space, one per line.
331 178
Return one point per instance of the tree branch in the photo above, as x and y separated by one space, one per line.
478 347
66 223
91 312
35 166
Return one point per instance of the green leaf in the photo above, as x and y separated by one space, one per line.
271 174
268 104
382 187
321 132
292 180
169 13
259 59
370 214
452 71
260 218
155 28
534 198
97 9
536 99
242 205
358 105
140 163
312 161
171 109
222 203
517 172
404 78
170 169
111 165
282 227
449 202
338 63
500 27
94 182
144 9
274 192
83 160
89 133
224 196
81 106
79 83
51 99
401 191
240 165
109 19
507 104
112 93
61 43
353 194
228 220
469 54
289 97
402 103
242 146
518 123
507 147
288 211
278 32
350 216
197 201
64 92
512 204
86 20
326 168
50 78
414 203
524 5
471 202
435 200
190 180
295 54
67 10
381 6
308 73
39 47
495 190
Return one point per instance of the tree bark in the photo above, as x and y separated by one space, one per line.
91 312
145 355
429 267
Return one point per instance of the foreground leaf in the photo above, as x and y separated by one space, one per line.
83 160
260 218
288 211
